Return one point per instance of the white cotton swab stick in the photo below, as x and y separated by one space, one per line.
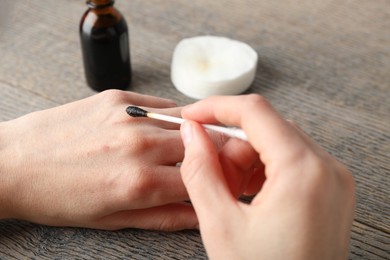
229 131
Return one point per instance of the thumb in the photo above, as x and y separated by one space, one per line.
202 173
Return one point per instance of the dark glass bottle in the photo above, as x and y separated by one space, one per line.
105 46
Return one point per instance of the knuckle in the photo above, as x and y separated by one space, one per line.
136 185
137 142
167 224
293 123
329 177
346 179
142 144
255 100
218 139
113 96
177 217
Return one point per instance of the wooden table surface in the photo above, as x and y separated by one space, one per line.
324 64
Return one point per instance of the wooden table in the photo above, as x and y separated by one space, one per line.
324 64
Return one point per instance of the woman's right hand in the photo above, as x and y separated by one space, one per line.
305 202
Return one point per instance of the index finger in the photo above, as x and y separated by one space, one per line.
267 131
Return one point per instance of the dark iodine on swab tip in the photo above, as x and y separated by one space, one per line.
230 131
136 111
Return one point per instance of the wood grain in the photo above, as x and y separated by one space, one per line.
324 64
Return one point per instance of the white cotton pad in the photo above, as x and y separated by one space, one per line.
209 65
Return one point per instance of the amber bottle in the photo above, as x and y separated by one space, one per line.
105 46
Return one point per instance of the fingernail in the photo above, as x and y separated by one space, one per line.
186 132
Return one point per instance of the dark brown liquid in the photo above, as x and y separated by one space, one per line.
105 48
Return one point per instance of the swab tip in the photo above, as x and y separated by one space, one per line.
136 111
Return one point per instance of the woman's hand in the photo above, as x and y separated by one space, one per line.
305 202
89 164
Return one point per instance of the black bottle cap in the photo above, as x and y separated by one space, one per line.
100 4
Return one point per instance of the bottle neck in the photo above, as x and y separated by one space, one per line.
98 4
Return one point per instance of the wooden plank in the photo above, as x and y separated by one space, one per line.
16 102
25 240
324 64
369 243
21 240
